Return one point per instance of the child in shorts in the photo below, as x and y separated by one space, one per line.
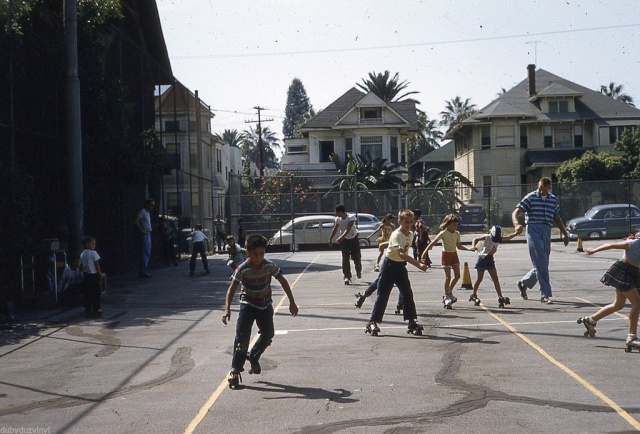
449 259
624 276
487 246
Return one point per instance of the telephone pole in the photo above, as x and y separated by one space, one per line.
260 147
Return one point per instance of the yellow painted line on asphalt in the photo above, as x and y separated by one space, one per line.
626 416
223 384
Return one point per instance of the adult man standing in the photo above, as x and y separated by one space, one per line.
541 210
143 223
345 225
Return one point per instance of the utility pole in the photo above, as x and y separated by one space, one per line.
260 147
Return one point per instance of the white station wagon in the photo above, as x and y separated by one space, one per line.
315 229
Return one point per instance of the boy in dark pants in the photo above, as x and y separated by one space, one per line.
92 274
394 271
345 226
198 240
254 275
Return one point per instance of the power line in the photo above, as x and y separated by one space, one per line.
419 44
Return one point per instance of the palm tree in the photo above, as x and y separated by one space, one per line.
456 111
426 139
250 147
615 92
443 197
369 173
231 137
386 89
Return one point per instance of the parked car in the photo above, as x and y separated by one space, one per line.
315 229
472 217
613 220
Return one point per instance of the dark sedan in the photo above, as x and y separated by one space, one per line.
612 220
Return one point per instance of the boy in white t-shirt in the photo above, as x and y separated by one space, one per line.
92 274
198 240
487 246
345 227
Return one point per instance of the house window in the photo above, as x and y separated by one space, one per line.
171 126
505 136
485 141
486 186
578 139
173 149
348 149
506 183
219 160
562 136
548 136
371 145
393 144
296 149
193 157
524 137
558 106
326 149
193 126
371 115
616 132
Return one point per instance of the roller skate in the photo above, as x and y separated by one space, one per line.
255 368
632 344
474 298
589 324
503 301
414 328
234 380
398 310
376 269
523 290
347 281
360 299
372 328
448 301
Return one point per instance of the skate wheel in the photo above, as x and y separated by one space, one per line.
586 333
627 350
448 307
477 303
579 321
418 333
374 334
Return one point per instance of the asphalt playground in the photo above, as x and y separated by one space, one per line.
158 360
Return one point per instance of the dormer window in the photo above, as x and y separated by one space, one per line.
558 106
371 115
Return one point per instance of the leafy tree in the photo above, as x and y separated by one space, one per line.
592 166
629 145
369 173
426 139
231 137
298 109
615 91
384 87
250 146
456 111
273 194
442 188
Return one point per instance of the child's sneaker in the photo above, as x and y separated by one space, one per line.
546 300
523 290
347 281
234 380
589 324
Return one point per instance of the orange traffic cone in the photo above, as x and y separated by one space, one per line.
466 278
579 248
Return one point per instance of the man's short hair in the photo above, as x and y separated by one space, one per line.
546 181
256 241
86 240
340 208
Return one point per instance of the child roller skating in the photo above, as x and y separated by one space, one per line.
254 275
394 272
487 246
624 276
448 300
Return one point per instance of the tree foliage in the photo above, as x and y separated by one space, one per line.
367 173
273 194
230 137
592 166
614 91
298 109
387 89
443 187
629 145
456 111
250 146
426 139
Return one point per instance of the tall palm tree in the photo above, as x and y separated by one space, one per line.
231 137
369 173
426 139
385 88
250 146
456 111
615 92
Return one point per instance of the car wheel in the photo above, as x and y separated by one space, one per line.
363 242
594 235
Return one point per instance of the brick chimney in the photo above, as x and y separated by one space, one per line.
531 74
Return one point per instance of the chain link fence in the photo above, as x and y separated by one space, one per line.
265 212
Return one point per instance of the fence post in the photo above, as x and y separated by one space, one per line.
293 227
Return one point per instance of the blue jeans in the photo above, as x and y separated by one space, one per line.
351 250
539 244
391 273
145 253
198 249
246 316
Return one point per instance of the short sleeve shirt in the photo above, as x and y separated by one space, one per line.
486 246
632 254
198 236
344 223
539 209
88 259
145 219
256 284
450 240
398 242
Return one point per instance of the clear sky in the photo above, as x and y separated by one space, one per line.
240 54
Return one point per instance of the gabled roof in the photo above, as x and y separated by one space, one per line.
335 111
516 102
444 153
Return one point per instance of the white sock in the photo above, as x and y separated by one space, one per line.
631 337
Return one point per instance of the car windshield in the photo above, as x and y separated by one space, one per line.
591 213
